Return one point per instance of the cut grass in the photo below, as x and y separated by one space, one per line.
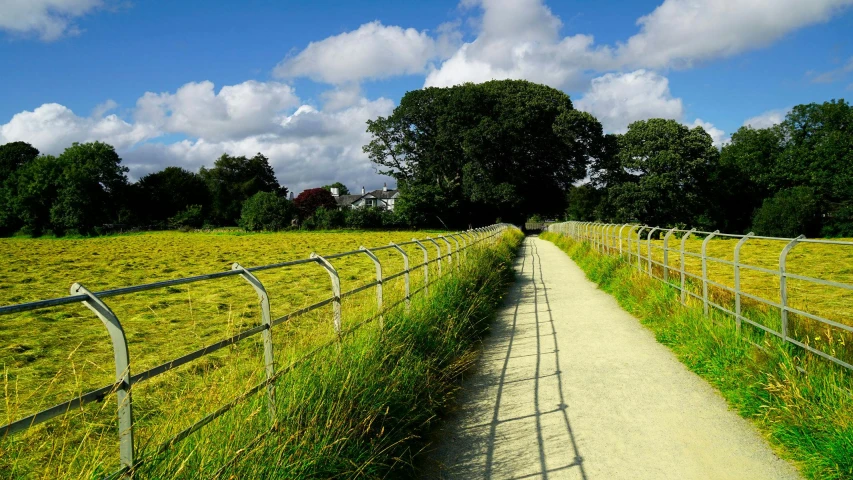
807 417
166 324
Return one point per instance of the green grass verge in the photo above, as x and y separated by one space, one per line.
801 403
360 408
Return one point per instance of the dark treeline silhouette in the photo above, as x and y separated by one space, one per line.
470 155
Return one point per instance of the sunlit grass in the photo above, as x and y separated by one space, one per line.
51 355
802 403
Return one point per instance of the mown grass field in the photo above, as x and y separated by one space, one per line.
50 355
800 402
822 261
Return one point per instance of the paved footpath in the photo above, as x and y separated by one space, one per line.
569 385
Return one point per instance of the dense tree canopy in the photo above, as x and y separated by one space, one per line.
232 180
342 189
162 195
472 153
310 200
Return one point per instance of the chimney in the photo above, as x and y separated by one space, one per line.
335 191
291 195
362 190
385 187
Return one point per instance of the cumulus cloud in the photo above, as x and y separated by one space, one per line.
718 136
236 111
53 127
679 33
48 19
372 51
767 119
618 99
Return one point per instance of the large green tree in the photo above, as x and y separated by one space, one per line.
472 153
162 195
664 168
232 180
13 157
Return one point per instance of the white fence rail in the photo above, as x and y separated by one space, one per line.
651 249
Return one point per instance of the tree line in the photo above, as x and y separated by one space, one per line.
512 149
472 155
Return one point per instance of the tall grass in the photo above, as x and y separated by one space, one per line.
358 408
801 403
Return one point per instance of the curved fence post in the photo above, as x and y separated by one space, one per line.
453 237
783 283
705 271
649 249
269 358
639 248
426 265
122 367
737 277
438 257
378 275
683 269
450 251
666 255
336 291
405 269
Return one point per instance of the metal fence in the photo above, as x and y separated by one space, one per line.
125 379
650 248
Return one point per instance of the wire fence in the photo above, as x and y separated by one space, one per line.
450 251
797 289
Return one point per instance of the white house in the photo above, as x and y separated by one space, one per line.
383 199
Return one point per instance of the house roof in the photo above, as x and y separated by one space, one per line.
347 200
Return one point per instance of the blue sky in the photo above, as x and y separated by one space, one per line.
179 83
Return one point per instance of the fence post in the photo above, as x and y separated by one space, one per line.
269 358
649 248
438 258
705 271
737 277
378 275
426 265
783 283
639 248
453 237
405 269
122 367
336 291
666 255
450 251
683 269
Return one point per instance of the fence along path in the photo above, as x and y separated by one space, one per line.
803 301
450 250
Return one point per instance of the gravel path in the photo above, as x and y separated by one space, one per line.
569 385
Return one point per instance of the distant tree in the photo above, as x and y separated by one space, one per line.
667 165
789 213
467 153
364 218
37 186
190 217
91 188
342 189
232 180
13 156
310 200
266 211
326 219
583 201
162 195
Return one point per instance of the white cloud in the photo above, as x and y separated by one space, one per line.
681 32
249 108
53 127
767 119
718 136
48 19
341 97
102 108
618 99
372 51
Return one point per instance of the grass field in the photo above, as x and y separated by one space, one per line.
822 261
50 355
807 417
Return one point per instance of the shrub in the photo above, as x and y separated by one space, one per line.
266 211
366 217
789 213
310 200
327 219
191 217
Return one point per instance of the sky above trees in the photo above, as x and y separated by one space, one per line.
171 83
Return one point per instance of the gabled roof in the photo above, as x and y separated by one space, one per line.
347 200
